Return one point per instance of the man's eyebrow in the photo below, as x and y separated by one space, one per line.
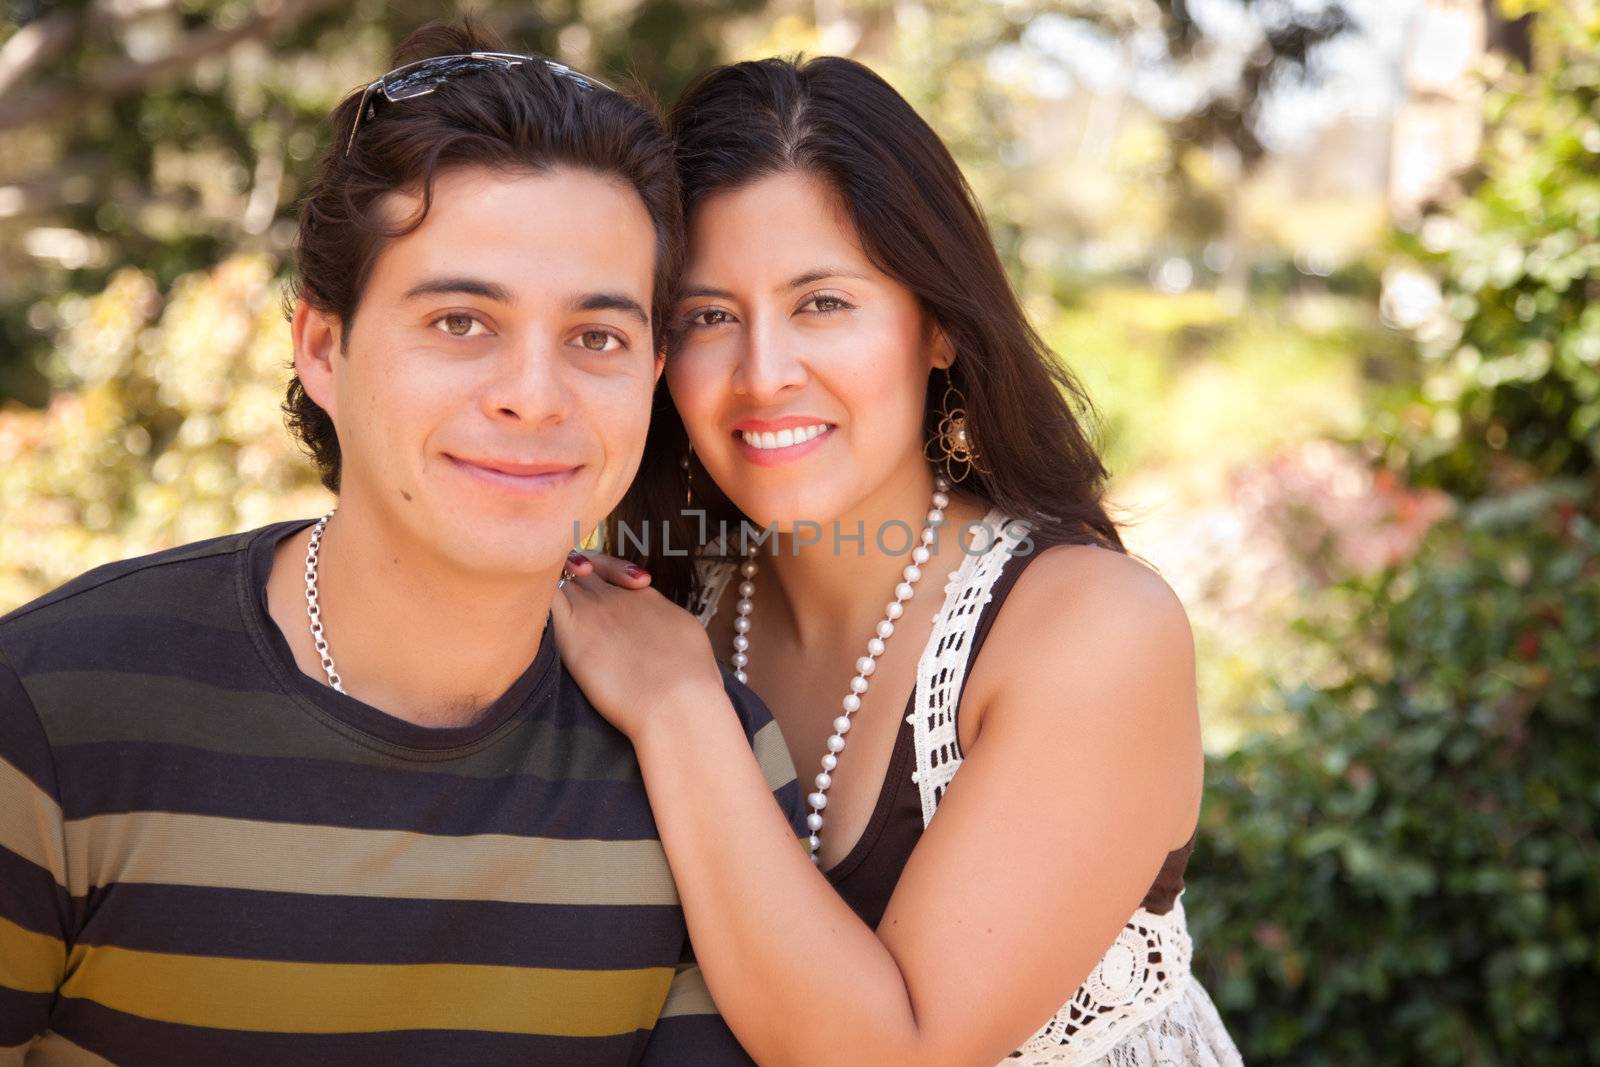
823 272
469 286
612 302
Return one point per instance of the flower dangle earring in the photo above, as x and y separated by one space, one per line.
951 445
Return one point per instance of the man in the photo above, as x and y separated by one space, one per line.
324 792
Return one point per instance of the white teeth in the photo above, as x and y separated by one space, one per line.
783 438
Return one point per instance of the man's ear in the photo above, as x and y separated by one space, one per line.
661 364
941 352
317 335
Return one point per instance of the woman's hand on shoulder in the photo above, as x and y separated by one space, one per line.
636 655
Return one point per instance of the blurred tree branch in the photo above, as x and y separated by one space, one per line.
123 76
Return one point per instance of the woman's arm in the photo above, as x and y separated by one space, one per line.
1084 775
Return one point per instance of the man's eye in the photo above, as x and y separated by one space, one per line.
599 340
458 324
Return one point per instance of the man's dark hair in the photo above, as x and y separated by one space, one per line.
525 117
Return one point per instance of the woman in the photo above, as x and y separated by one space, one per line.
853 370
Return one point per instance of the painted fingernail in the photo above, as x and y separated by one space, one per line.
577 557
636 571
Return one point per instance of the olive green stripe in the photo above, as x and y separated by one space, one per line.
30 822
169 848
688 994
84 707
772 753
275 996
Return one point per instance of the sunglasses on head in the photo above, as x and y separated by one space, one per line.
425 75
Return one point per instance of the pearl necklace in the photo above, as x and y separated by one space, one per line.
865 666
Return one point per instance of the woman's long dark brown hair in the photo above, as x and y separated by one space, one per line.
919 222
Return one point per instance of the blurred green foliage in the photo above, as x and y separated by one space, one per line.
1512 357
1409 874
172 433
1407 870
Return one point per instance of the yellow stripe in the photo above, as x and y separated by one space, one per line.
30 822
203 850
323 998
688 994
30 962
53 1050
772 753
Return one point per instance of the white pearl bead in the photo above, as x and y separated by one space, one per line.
912 572
894 610
824 780
851 703
903 591
747 589
935 516
741 643
835 743
941 500
875 647
815 844
940 483
817 800
928 537
741 677
886 629
829 761
841 725
741 625
865 666
920 555
744 607
859 684
814 822
741 660
748 568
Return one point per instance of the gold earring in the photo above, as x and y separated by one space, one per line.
952 443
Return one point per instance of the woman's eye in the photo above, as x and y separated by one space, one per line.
599 340
710 317
825 303
459 324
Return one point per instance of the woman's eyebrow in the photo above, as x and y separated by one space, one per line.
819 274
706 290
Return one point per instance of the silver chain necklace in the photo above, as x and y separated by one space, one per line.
314 610
865 666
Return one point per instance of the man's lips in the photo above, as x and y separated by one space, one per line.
511 474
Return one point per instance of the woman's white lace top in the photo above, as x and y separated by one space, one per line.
1141 1006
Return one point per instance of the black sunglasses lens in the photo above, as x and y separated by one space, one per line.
422 78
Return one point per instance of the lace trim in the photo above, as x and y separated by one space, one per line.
1145 974
943 665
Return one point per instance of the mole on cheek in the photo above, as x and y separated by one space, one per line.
406 495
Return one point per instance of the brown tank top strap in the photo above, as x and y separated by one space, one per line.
867 876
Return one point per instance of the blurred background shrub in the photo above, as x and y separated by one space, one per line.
1329 269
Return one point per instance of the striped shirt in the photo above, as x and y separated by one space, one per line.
208 857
